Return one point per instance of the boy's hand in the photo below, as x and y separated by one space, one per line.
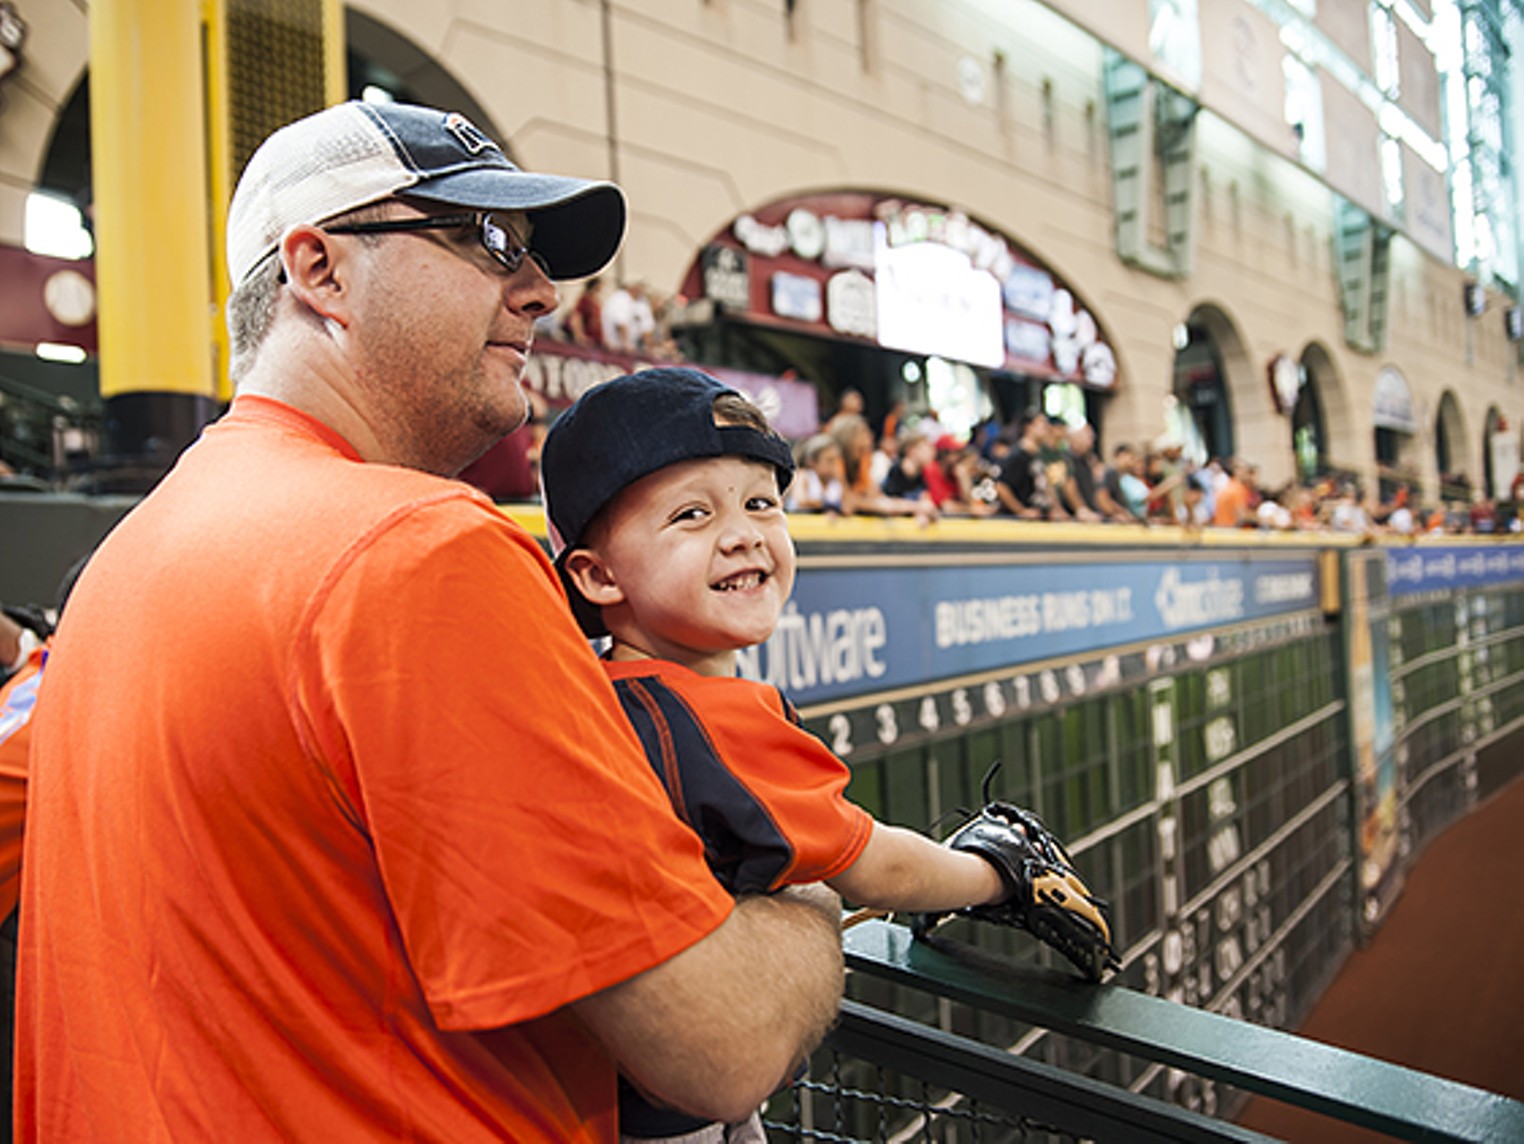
1045 895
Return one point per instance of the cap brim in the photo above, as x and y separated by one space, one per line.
578 224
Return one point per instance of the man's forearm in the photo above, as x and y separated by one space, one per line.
718 1027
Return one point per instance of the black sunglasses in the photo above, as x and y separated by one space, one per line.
497 239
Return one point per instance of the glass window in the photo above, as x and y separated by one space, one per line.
1304 111
1174 37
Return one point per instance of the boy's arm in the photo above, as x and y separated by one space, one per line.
902 870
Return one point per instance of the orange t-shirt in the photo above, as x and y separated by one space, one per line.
316 846
1232 502
18 697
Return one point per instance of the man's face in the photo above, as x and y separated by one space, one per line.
701 553
443 334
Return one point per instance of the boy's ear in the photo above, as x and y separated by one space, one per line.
593 578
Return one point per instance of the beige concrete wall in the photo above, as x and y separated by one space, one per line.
53 57
721 106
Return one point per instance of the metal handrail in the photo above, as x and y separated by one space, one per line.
1344 1085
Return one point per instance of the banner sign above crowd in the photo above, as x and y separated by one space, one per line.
873 626
908 276
560 372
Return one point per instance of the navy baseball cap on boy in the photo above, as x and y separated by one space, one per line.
355 154
628 428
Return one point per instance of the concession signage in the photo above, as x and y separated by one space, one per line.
916 277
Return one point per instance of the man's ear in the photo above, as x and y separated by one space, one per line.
593 578
317 271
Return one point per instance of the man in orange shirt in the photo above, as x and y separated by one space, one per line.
1235 500
336 830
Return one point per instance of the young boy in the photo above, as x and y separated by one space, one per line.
664 493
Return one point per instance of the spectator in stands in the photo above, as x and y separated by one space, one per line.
662 345
1023 486
930 424
584 325
849 404
23 627
1166 468
907 478
855 436
628 322
959 482
863 495
894 420
821 482
1125 487
13 651
1236 500
18 702
1075 445
1345 512
885 455
1193 503
1273 513
1483 516
1400 519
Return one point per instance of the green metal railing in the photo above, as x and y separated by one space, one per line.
883 1076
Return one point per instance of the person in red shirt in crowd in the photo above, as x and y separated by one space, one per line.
585 322
320 770
952 480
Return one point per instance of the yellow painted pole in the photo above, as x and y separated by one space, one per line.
220 178
335 70
148 150
284 87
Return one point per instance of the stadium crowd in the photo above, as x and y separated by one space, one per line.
1035 467
1038 468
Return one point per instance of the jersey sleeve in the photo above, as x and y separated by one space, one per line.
527 852
767 797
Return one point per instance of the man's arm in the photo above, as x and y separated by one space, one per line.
722 1025
902 870
1013 503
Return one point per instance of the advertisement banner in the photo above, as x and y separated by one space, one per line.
866 627
1448 568
1371 734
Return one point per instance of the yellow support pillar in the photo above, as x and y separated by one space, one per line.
148 150
267 62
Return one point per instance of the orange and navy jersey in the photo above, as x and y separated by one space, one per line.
765 795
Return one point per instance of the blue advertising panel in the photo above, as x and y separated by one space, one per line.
874 627
1445 569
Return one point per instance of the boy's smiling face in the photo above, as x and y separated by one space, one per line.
691 563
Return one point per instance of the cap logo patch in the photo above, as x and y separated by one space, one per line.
471 137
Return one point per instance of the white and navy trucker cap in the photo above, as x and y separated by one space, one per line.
355 154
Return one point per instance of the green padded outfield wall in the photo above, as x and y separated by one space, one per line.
1244 746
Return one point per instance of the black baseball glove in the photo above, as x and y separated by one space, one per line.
1045 895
